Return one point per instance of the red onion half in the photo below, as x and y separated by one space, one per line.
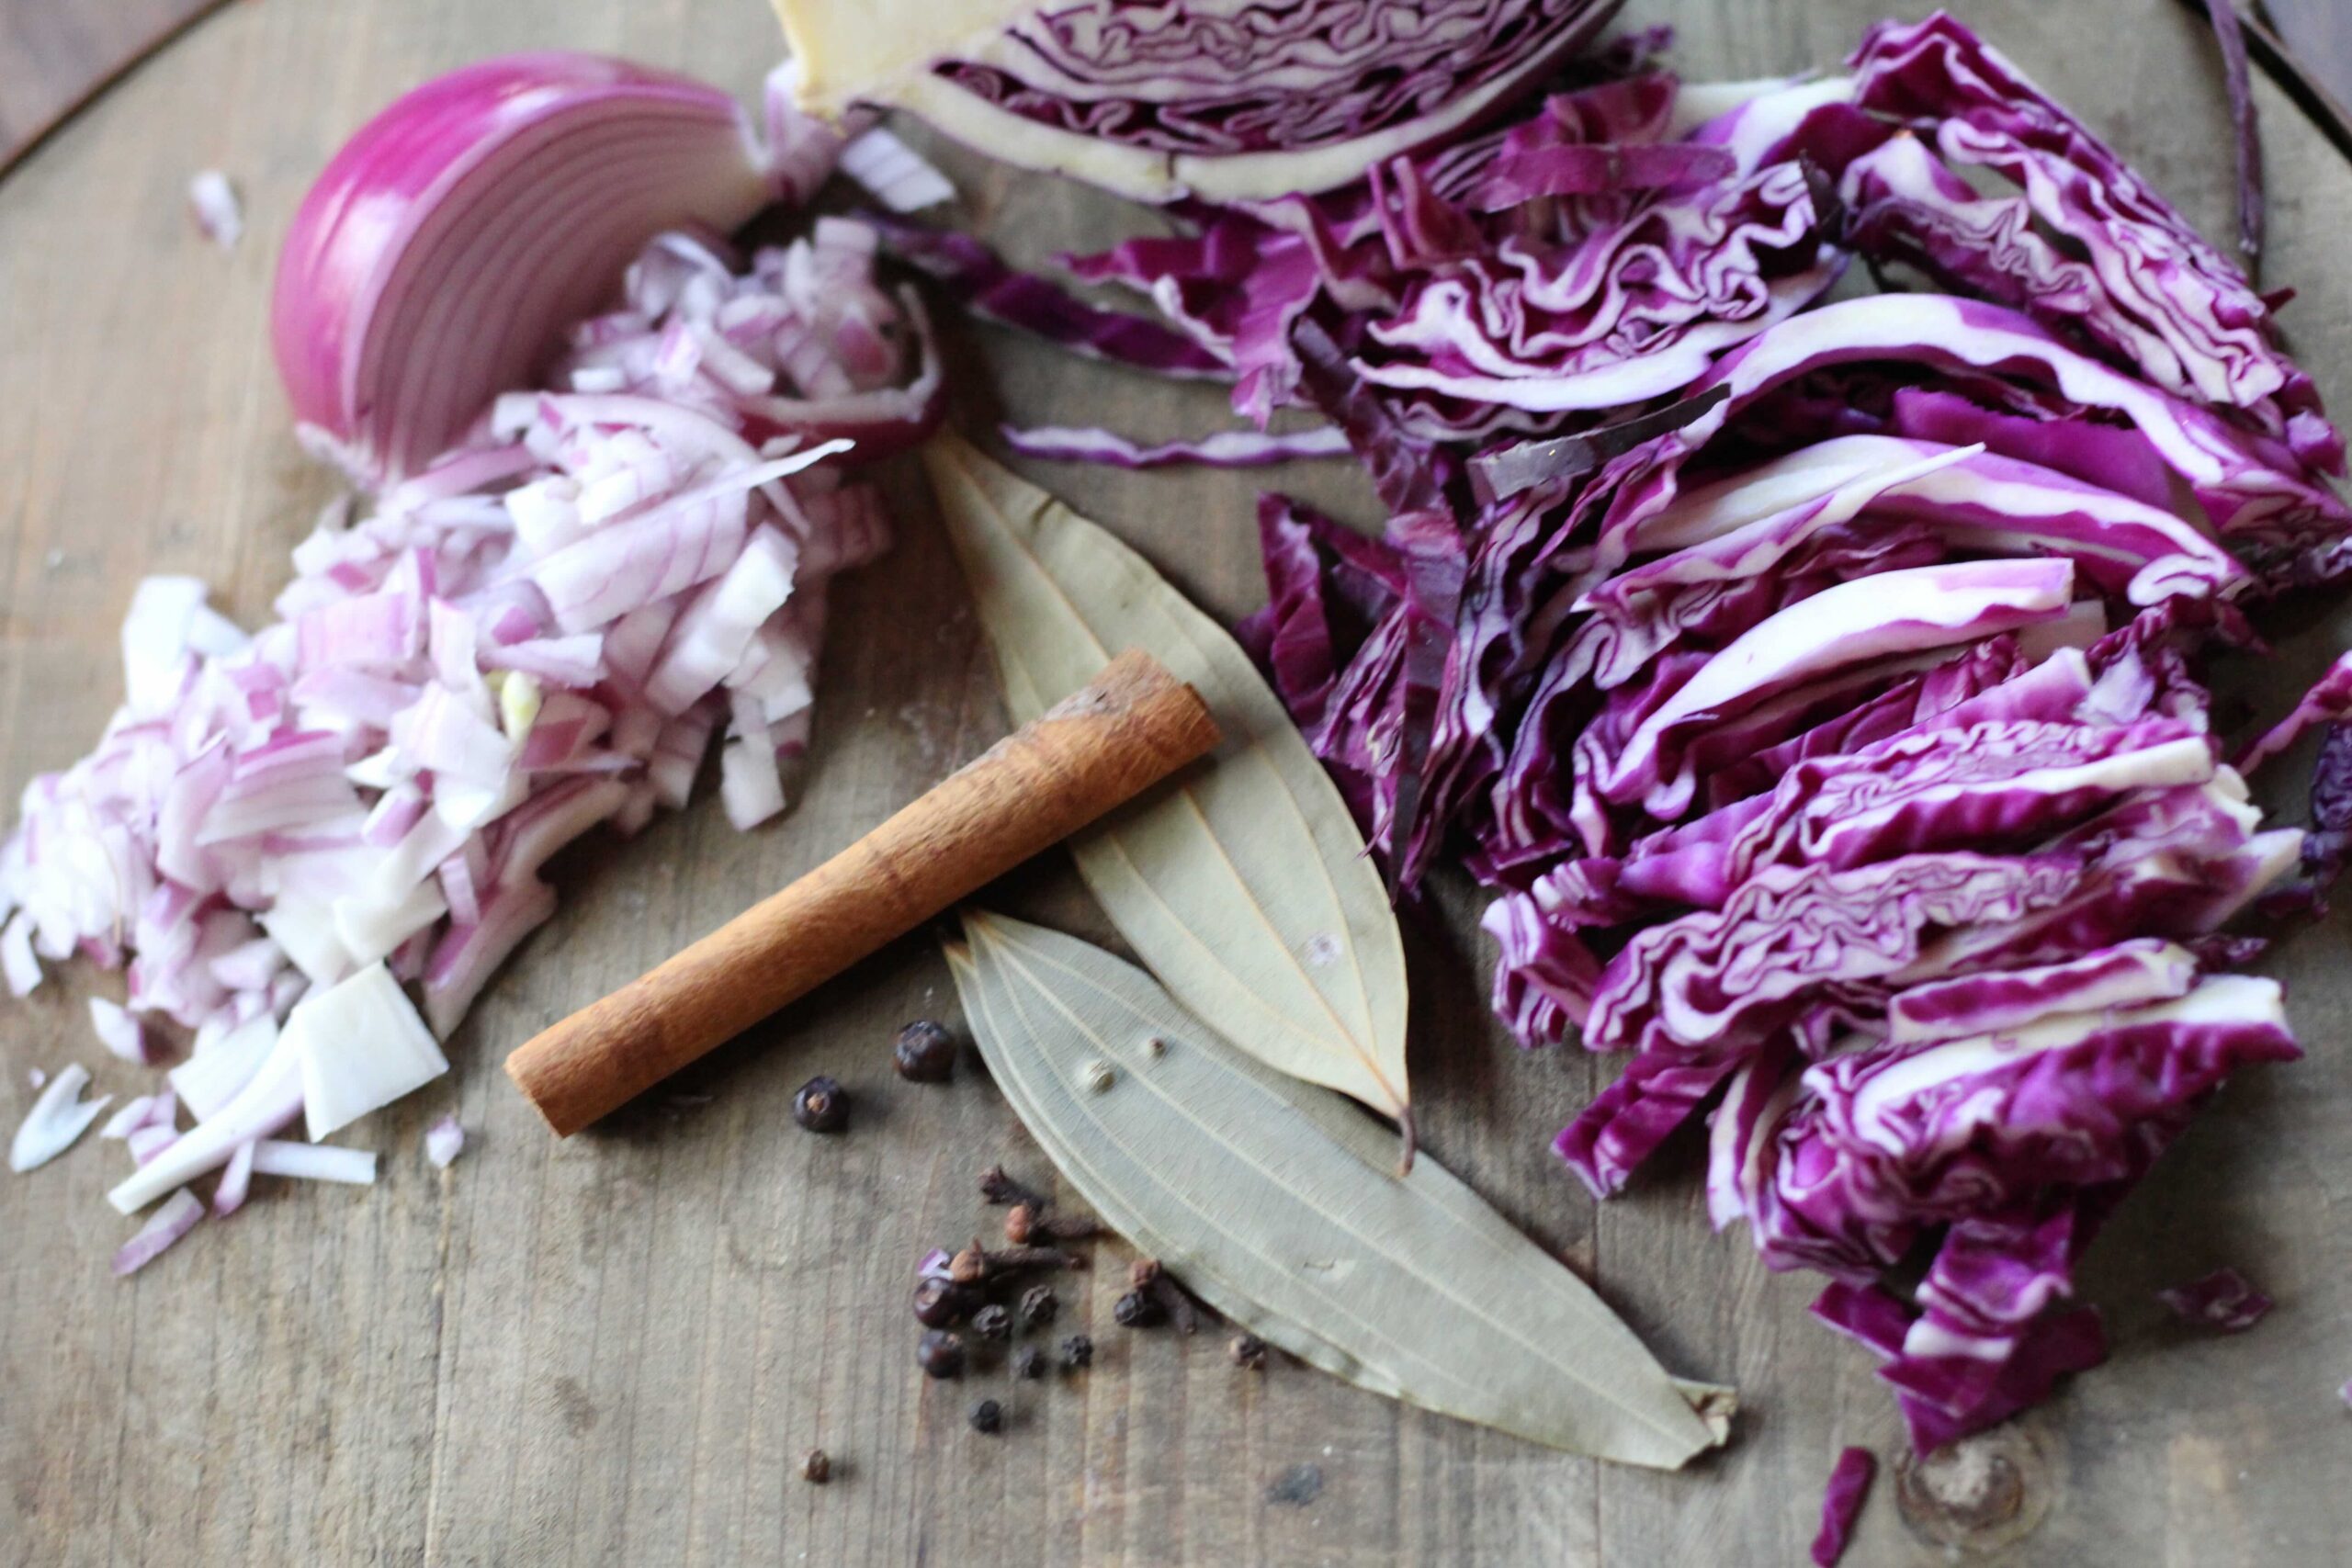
450 241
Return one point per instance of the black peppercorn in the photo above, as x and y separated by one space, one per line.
816 1467
1077 1352
941 1303
1136 1309
1029 1363
941 1353
1038 1305
992 1322
924 1053
821 1106
1249 1352
988 1416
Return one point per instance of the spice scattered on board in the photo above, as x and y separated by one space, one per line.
1276 1205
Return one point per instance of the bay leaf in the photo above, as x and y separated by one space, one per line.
1242 883
1275 1202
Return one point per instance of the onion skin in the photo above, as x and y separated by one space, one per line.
448 162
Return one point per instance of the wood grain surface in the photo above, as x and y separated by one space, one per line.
55 54
614 1349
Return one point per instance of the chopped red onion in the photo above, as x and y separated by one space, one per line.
57 1118
236 1182
120 1033
2223 1300
361 1047
443 1141
17 965
213 201
159 1110
166 1225
314 1162
269 1103
893 173
147 1142
1224 449
537 633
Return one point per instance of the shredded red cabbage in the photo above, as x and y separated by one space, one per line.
2223 1299
1817 686
1841 1505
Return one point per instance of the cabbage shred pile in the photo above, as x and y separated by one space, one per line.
1808 654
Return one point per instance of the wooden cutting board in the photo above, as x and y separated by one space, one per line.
615 1350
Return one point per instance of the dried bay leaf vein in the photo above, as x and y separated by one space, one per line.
1017 543
1036 702
1534 1392
1370 1245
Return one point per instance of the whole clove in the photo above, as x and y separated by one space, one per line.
1029 1362
1150 1280
1177 1303
940 1353
1137 1309
999 1189
992 1322
1077 1353
941 1303
924 1053
1248 1352
1038 1306
975 1265
821 1106
1026 1223
816 1467
987 1417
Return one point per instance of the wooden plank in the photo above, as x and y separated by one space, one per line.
614 1349
54 59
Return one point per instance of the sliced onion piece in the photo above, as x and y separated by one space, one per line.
315 1162
148 1141
120 1033
454 236
59 1117
893 173
236 1182
361 1047
164 1227
17 964
212 201
1224 450
443 1141
217 1073
273 1099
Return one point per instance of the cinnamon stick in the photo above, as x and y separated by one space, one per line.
1103 746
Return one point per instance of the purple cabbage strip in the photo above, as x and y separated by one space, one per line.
979 279
1841 1505
2223 1299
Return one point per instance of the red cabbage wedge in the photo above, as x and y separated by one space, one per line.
1211 98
